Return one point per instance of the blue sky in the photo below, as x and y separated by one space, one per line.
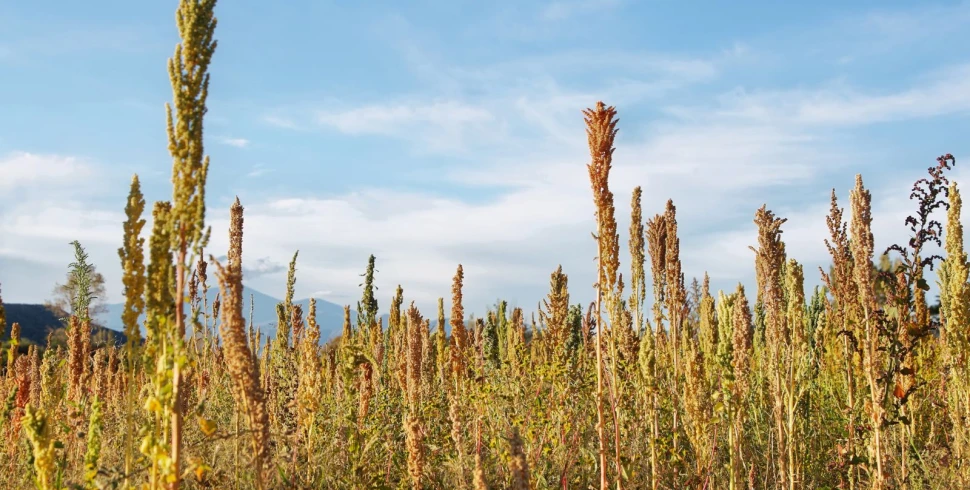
438 133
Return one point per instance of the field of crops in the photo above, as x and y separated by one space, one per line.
657 384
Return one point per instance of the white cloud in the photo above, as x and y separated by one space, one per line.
542 217
47 201
236 142
435 126
262 266
719 160
38 233
20 169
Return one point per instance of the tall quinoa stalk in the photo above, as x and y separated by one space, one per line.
601 131
160 310
414 425
675 299
796 367
843 314
310 383
240 360
736 338
708 332
873 355
955 332
770 259
188 73
132 257
638 286
657 248
459 339
442 344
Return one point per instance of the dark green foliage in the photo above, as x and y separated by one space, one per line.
284 315
367 306
81 275
574 321
816 313
490 340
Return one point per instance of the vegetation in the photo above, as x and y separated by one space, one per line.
856 384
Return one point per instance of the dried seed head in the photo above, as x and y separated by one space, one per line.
296 319
769 261
741 342
556 313
601 131
676 294
657 248
862 243
459 334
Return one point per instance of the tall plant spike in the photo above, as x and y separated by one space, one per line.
600 133
189 77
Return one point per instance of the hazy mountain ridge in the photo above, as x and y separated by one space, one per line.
330 316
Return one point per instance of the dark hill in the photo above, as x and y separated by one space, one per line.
36 322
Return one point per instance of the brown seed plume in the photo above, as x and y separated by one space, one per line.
239 359
459 334
414 423
600 132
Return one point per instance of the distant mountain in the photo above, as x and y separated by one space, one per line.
36 321
330 316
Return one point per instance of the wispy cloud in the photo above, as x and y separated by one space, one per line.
940 92
236 142
427 124
262 266
561 10
507 102
258 170
391 119
283 122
